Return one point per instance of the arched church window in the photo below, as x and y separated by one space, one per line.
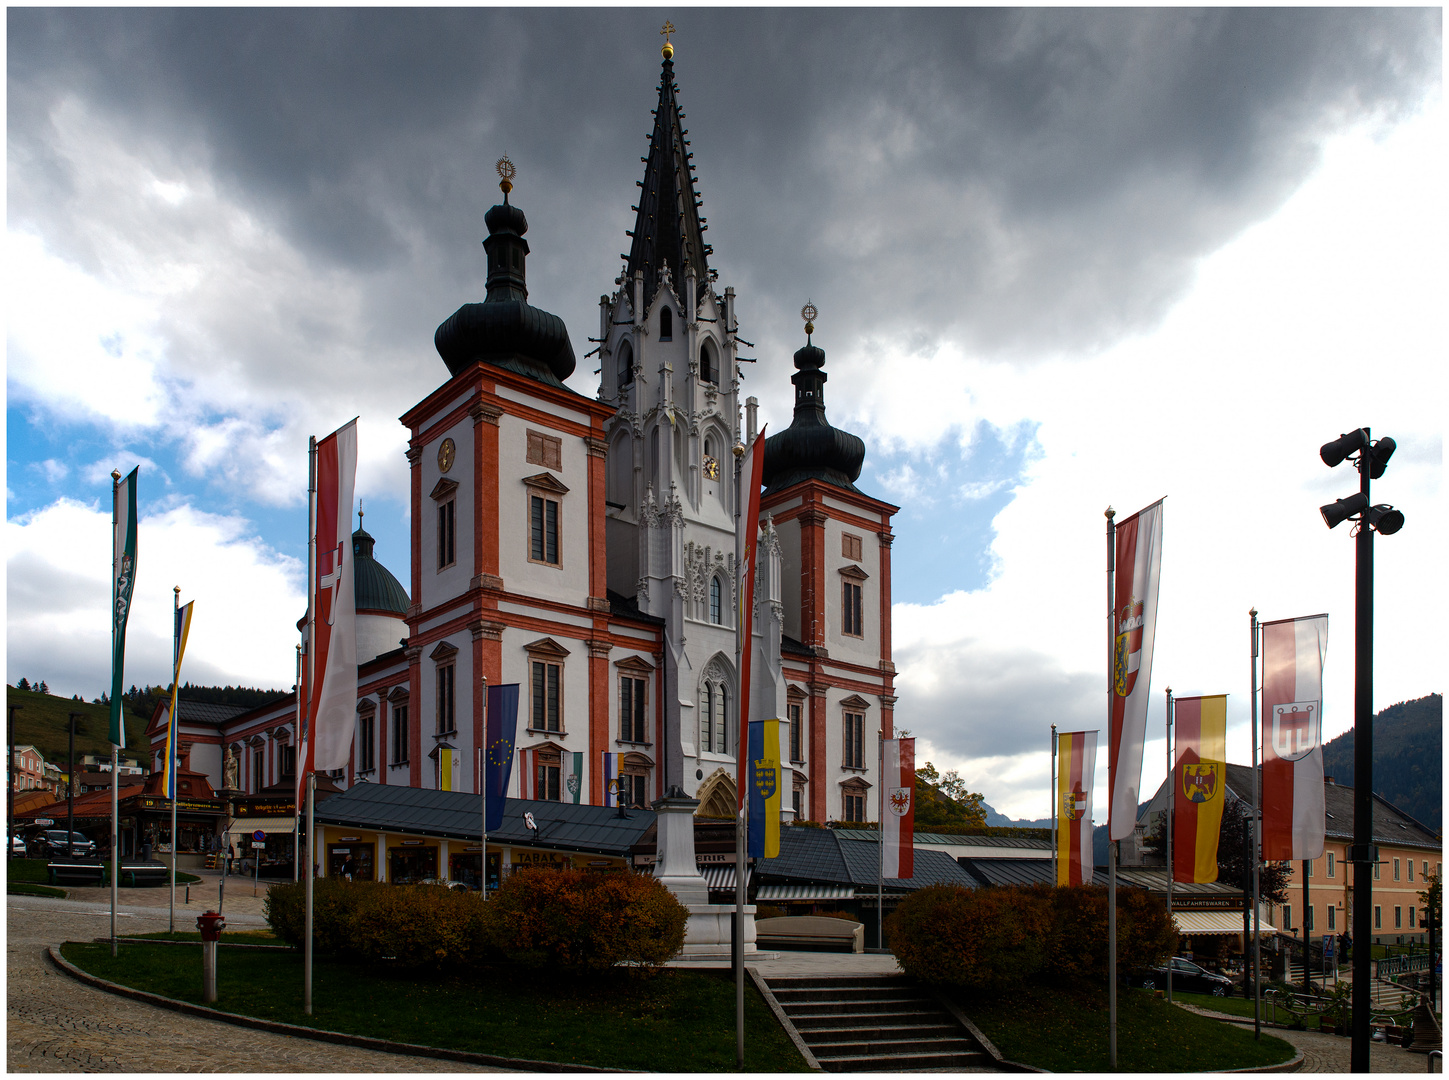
626 364
716 602
666 324
711 458
714 707
708 369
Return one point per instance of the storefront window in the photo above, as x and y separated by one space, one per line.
361 855
409 864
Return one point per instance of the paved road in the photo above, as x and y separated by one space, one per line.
1332 1053
55 1024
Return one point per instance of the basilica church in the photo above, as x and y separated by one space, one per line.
584 548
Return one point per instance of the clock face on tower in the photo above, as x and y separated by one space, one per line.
446 453
711 467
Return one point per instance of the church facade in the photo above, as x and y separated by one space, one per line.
585 549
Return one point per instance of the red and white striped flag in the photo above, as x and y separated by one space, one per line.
898 816
1076 774
527 773
1293 810
752 472
333 652
1134 627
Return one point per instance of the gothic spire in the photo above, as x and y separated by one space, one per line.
668 229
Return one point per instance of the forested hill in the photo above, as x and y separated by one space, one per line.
1408 758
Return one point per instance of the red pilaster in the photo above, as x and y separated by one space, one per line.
598 555
817 766
598 717
812 575
487 663
415 707
415 467
485 413
887 667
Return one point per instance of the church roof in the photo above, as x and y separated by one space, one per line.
668 229
374 587
505 329
810 449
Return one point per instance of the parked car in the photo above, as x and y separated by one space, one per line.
1186 976
17 846
52 842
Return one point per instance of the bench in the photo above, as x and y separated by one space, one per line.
145 874
77 873
810 932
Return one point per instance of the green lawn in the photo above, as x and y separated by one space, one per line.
680 1021
1066 1031
34 871
26 889
228 937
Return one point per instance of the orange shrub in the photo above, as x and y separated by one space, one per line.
977 938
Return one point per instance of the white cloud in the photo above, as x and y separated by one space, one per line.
58 564
1323 318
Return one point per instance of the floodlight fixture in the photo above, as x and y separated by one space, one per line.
1340 510
1384 519
1383 449
1334 452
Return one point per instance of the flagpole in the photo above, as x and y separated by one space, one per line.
1257 843
880 832
483 797
115 749
1056 872
1111 844
737 945
1171 806
172 742
296 815
311 682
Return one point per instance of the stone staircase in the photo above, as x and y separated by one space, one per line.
877 1024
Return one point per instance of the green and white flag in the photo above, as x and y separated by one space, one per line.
572 767
123 569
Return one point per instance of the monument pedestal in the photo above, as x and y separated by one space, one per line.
707 934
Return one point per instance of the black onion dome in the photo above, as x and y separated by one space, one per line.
810 449
374 587
505 329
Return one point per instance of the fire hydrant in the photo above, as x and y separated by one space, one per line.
211 924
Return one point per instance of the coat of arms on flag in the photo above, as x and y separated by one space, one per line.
572 783
1074 803
900 800
1294 729
1200 781
765 780
1128 654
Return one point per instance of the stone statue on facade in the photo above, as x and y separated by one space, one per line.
230 771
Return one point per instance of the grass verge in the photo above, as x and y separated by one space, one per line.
1066 1031
680 1021
228 937
25 888
35 872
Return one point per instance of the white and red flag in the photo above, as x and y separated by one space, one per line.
1293 811
1076 773
752 474
898 815
1134 624
333 648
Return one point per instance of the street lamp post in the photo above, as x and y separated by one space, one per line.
1371 458
10 813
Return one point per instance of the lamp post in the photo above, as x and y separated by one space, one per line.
70 793
1371 458
10 796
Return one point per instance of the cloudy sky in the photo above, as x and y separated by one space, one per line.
1063 259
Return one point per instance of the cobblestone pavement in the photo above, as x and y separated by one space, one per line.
1332 1053
55 1024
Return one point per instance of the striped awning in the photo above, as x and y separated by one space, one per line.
1215 922
722 878
245 826
775 893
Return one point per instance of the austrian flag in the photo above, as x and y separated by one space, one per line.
898 816
1293 810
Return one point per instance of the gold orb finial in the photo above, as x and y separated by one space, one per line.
808 313
506 173
668 51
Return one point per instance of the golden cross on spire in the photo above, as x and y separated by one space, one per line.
668 50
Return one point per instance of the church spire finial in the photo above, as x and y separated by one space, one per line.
668 51
808 313
506 173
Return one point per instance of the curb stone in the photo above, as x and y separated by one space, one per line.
315 1034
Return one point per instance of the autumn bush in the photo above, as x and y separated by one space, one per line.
980 939
582 921
991 938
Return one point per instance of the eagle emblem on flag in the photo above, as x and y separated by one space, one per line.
1294 729
1074 803
1200 781
1127 656
900 801
572 783
765 780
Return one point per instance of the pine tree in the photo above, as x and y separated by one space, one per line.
43 688
23 684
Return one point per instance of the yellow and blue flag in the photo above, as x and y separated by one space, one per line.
173 726
766 780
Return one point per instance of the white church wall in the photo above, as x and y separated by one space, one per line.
568 581
440 584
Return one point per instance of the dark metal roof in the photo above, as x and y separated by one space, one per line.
962 839
204 712
931 868
826 857
809 855
668 230
627 607
790 647
457 815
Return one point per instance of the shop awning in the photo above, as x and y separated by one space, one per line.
720 878
775 893
1215 922
245 826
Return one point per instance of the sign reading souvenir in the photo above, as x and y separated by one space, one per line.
1199 772
1138 566
898 823
1076 772
1293 809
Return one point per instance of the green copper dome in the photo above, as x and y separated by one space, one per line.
376 590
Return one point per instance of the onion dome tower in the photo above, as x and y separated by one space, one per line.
810 448
382 602
505 330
